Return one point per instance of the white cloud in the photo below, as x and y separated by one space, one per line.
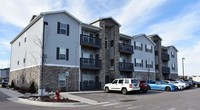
181 31
19 12
4 63
79 9
191 62
137 13
4 44
181 27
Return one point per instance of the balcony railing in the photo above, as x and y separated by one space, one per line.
123 66
87 63
166 70
125 48
90 85
89 41
165 56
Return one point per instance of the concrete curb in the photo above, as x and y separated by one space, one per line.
80 99
47 104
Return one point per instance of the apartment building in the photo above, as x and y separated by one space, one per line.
144 57
166 66
58 51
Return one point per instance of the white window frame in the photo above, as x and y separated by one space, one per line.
62 54
62 80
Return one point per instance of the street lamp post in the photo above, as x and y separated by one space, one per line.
183 66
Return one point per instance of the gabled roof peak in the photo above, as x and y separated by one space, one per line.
105 18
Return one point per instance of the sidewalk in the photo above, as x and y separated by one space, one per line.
82 101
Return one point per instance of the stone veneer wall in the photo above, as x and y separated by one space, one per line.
24 77
103 56
50 78
144 75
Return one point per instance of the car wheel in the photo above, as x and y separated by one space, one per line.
124 91
106 89
167 89
195 85
149 87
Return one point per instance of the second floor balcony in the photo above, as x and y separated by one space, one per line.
165 56
88 63
165 70
89 41
123 66
125 48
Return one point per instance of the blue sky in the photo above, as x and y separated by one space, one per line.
176 21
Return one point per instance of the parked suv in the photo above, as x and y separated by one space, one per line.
143 86
124 85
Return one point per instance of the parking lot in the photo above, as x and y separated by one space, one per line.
152 100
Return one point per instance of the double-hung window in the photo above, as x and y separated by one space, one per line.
173 66
138 46
63 28
62 80
62 54
138 63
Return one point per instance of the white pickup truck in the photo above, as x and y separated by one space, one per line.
124 85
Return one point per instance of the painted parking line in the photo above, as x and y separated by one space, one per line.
135 107
172 109
121 106
110 104
101 103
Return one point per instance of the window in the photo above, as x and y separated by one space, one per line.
19 43
25 39
173 66
138 63
17 62
172 54
120 81
62 80
24 60
149 64
114 82
111 43
126 81
63 28
106 44
62 54
112 62
156 52
138 46
148 48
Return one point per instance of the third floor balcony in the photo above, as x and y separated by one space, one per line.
89 41
165 56
126 48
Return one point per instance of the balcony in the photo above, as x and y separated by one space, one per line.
126 48
123 66
165 56
87 63
90 85
165 70
89 41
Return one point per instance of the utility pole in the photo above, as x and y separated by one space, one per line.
183 67
42 64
